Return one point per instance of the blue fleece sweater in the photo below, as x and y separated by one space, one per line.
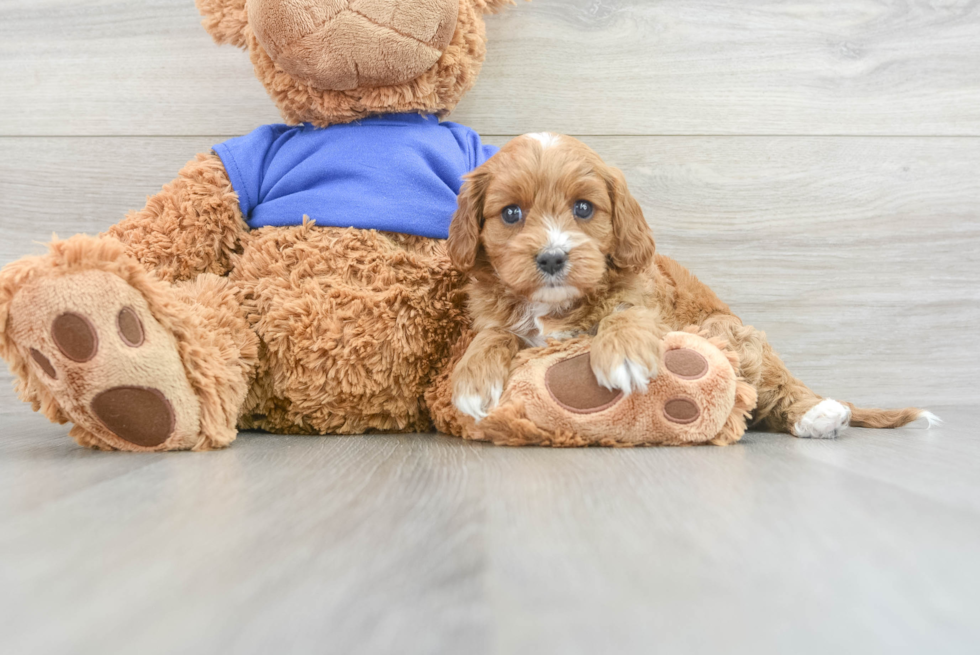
397 173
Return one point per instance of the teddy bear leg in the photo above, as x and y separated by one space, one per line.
192 226
135 363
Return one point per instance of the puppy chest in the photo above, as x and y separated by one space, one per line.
541 328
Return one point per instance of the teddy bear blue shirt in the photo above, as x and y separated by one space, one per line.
396 173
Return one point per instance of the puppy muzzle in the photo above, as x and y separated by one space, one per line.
552 262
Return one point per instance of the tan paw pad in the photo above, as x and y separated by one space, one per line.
44 363
140 416
573 385
130 327
681 411
93 342
75 337
686 364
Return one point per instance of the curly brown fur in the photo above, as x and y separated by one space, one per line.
192 226
355 324
439 398
746 397
493 6
225 20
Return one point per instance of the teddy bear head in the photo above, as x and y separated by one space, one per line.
335 61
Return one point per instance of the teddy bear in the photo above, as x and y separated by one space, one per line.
295 280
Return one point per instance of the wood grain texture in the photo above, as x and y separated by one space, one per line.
84 67
860 257
422 544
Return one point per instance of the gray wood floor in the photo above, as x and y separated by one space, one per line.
425 544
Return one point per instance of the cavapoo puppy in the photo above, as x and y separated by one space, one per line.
556 247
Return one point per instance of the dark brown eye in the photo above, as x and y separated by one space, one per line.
512 215
583 210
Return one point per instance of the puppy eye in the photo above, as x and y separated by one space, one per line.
584 210
512 215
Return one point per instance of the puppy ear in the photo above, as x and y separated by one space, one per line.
634 247
225 20
493 6
464 231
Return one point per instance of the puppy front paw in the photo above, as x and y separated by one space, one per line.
477 400
628 367
629 376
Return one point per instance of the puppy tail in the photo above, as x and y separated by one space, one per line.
890 418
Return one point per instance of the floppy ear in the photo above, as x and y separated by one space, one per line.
224 20
493 6
634 246
464 231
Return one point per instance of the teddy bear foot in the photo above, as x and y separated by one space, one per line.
106 361
554 399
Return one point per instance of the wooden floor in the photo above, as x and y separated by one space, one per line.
426 544
815 162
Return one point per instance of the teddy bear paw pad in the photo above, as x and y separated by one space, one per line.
75 337
574 386
143 417
681 411
109 364
686 364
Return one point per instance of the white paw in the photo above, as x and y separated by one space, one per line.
628 377
824 421
479 404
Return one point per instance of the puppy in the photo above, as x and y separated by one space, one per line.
556 247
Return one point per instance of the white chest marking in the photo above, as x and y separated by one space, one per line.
528 323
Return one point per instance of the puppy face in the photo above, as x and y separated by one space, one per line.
550 218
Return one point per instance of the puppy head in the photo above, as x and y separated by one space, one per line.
550 218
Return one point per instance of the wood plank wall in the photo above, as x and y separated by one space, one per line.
817 163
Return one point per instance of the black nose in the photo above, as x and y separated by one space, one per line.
552 263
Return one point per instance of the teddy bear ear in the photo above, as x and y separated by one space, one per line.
224 20
493 6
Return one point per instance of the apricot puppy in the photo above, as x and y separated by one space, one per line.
556 247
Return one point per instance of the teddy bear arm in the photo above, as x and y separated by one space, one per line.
192 226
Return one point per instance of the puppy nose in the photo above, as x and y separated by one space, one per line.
552 263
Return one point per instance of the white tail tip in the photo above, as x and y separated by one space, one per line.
931 419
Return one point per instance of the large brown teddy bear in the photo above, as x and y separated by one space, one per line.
236 300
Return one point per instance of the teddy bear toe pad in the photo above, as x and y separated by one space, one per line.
75 337
686 363
111 366
143 417
44 364
574 386
681 411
